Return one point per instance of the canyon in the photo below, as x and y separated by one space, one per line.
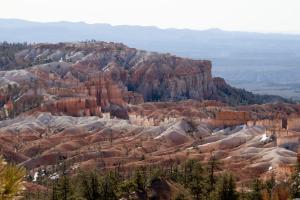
98 105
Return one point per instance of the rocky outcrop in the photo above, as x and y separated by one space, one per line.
74 106
165 77
233 115
105 91
132 97
288 140
116 74
294 123
228 118
155 76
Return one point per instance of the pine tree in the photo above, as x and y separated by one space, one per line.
232 194
54 195
194 180
225 188
140 181
212 165
242 194
108 187
126 187
62 189
270 184
90 186
256 190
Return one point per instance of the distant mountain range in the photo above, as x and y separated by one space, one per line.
260 62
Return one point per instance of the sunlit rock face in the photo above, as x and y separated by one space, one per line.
164 77
155 76
116 74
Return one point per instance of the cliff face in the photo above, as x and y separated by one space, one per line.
105 91
116 74
74 106
155 76
164 77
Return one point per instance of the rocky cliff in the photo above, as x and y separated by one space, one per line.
122 74
155 76
165 77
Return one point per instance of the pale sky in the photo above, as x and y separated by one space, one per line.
242 15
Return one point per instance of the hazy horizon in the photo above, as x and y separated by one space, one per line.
152 26
268 16
262 63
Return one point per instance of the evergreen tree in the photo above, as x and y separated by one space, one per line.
225 188
90 186
54 195
108 187
256 190
62 189
140 181
126 188
194 180
212 165
270 184
242 194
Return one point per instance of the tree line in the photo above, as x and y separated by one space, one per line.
193 180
